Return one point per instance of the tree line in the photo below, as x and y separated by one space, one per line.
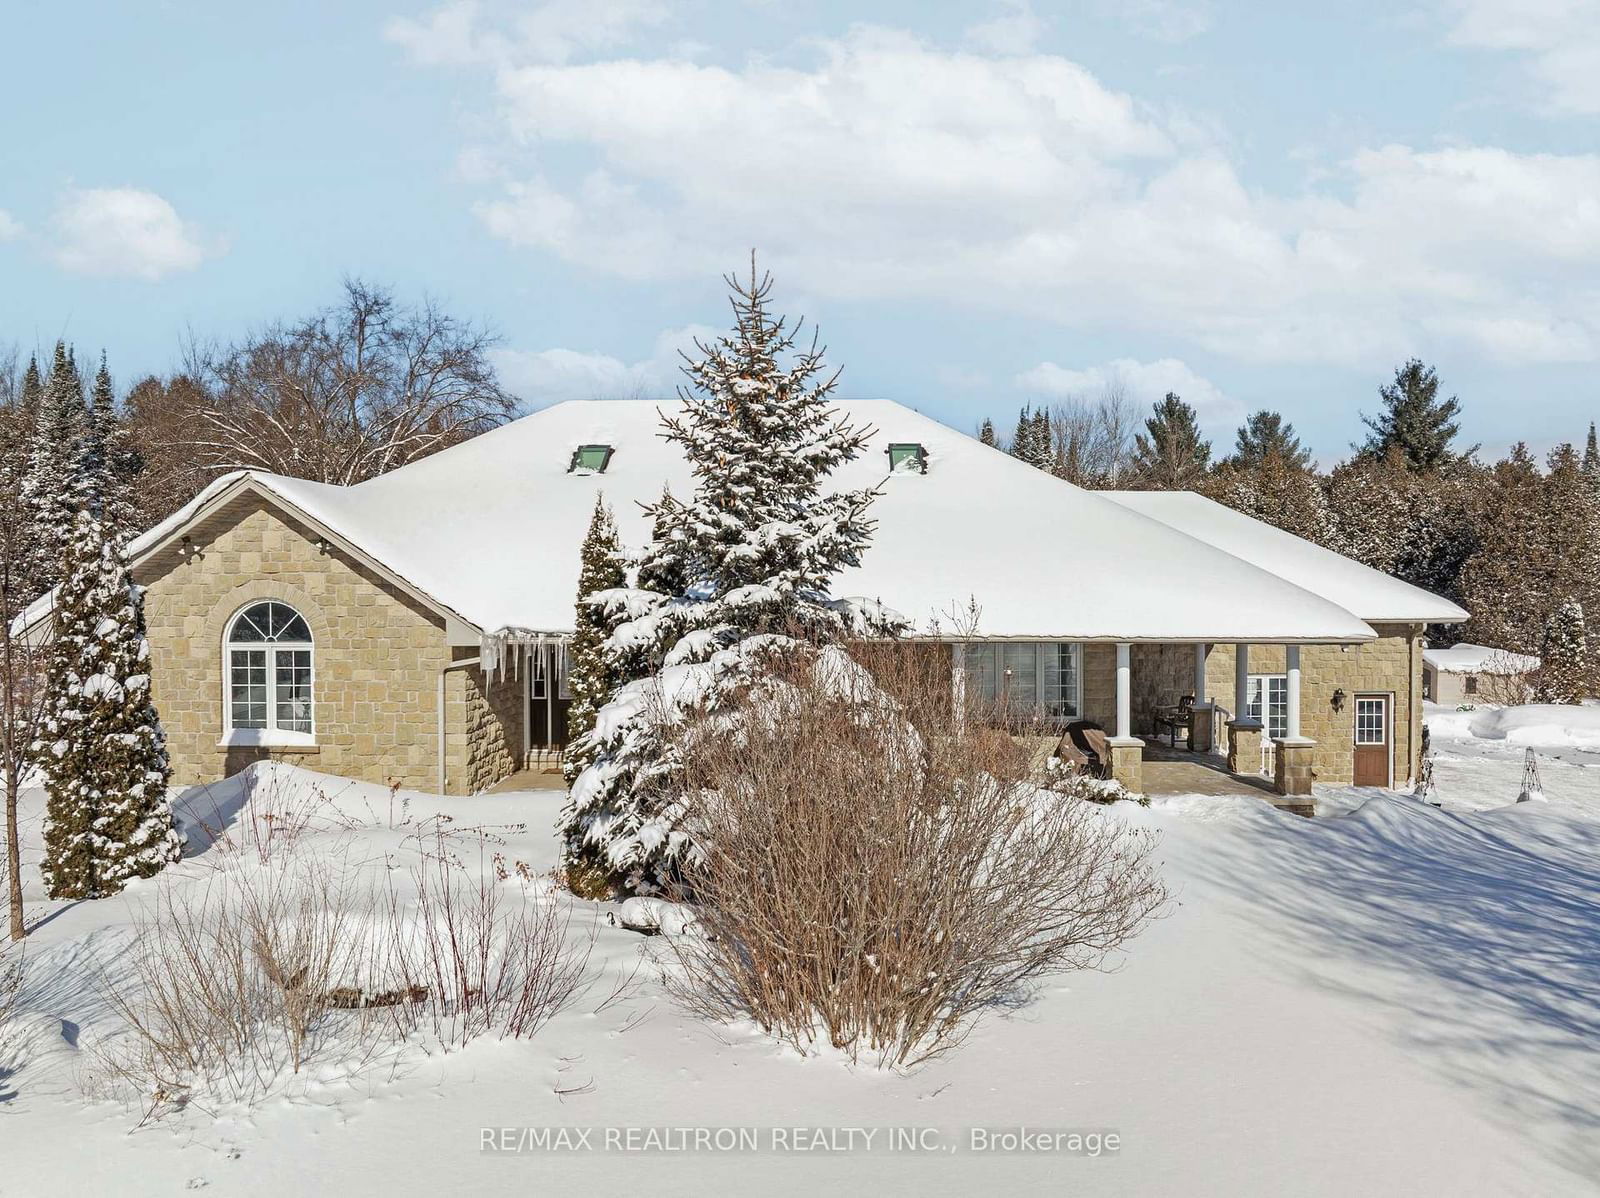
1515 541
343 394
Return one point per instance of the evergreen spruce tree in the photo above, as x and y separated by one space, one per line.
1044 455
986 433
1022 440
590 676
107 466
1563 657
101 749
54 488
1267 432
1415 420
1170 454
748 561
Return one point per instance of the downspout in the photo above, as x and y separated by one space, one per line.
455 665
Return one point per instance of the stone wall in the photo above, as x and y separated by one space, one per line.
376 662
1392 664
493 726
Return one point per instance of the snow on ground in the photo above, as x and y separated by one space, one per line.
1395 1000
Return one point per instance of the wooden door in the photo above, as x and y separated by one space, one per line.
1372 740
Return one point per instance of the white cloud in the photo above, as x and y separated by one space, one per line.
1142 382
549 376
1560 40
556 31
125 231
888 167
1013 30
10 226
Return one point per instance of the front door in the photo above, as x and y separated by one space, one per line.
1372 740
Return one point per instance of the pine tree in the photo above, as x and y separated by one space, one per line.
101 749
986 433
590 676
750 558
53 490
1563 657
1415 420
1267 432
1170 454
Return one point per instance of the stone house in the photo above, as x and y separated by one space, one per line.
412 628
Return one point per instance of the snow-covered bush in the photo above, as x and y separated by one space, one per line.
1564 657
874 870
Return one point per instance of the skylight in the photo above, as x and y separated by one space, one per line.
907 455
591 459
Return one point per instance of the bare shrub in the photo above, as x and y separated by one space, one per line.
487 964
875 868
1506 680
226 985
277 809
235 986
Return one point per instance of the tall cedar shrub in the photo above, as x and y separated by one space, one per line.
743 565
1564 657
590 676
101 749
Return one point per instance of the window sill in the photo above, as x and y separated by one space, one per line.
269 738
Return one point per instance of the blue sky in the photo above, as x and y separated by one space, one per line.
981 205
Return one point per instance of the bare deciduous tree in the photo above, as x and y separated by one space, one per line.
162 417
348 393
1094 436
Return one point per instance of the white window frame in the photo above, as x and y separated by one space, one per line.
972 656
1263 681
271 735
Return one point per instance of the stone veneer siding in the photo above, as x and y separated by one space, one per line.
376 660
1392 664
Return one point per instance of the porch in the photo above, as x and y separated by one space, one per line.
1129 688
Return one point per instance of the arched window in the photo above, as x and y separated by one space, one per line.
268 653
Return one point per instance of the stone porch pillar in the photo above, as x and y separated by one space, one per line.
1291 765
1244 747
1127 750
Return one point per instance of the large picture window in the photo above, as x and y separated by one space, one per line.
1269 703
268 659
1025 679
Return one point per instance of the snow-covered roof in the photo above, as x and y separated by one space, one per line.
1376 597
490 530
1463 658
